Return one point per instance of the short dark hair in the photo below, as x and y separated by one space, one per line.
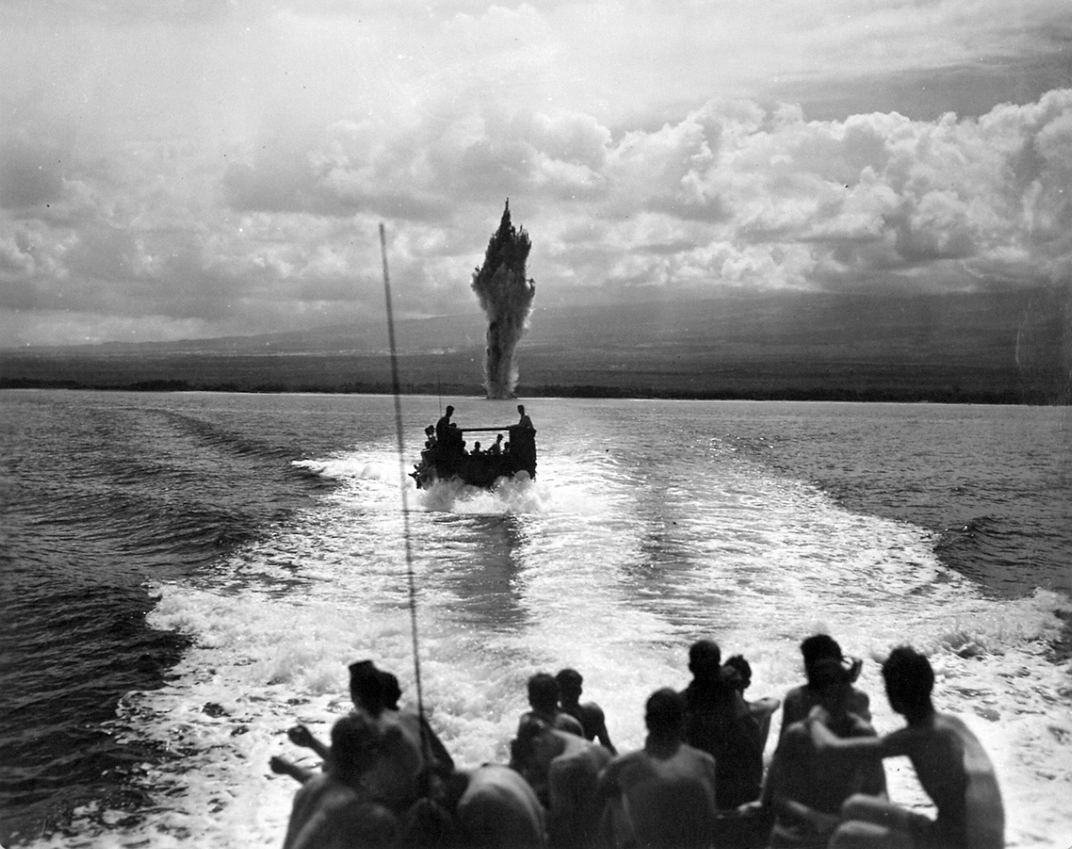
450 409
569 681
816 648
664 713
543 691
704 653
742 669
366 686
909 677
569 676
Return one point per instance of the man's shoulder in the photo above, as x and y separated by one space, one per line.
696 754
591 709
568 723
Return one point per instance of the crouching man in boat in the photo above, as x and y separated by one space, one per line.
949 762
664 794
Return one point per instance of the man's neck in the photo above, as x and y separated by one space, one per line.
661 746
923 715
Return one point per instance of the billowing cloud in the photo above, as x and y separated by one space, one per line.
166 174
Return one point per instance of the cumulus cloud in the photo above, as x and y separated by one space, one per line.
225 172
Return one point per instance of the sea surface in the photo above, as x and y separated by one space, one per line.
186 575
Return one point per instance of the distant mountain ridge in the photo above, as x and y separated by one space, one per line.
1006 346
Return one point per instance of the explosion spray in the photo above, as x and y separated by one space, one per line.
506 298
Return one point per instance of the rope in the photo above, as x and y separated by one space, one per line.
404 489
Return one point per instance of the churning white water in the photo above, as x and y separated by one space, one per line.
637 537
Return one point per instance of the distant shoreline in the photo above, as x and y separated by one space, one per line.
982 348
831 394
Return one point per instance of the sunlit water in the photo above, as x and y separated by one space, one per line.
650 524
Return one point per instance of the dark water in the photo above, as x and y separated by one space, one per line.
100 494
107 495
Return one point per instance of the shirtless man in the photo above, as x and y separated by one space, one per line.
563 769
950 763
802 699
718 721
543 699
589 714
663 795
739 674
805 795
411 755
499 810
441 427
330 811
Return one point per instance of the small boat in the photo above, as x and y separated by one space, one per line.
447 458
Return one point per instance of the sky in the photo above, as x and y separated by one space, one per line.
200 168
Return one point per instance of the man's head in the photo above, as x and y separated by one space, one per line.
569 685
909 680
832 679
738 672
355 742
705 659
366 686
536 745
664 714
521 409
816 648
543 692
450 409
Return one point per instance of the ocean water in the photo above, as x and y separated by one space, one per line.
187 575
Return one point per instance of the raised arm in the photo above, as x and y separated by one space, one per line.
301 736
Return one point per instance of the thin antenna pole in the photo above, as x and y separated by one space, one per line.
404 489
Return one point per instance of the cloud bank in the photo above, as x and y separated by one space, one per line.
216 169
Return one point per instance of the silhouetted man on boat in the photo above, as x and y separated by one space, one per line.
543 699
525 423
718 721
663 795
800 700
443 425
589 714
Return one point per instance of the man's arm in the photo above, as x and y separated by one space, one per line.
301 736
599 722
856 748
281 766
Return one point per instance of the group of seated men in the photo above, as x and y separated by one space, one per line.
698 781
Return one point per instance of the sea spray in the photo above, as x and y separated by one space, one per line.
506 296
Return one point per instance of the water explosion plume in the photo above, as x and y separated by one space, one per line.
506 297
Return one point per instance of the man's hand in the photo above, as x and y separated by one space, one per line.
300 736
